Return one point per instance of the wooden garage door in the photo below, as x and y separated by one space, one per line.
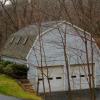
56 78
79 76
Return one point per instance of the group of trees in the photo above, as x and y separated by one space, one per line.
21 13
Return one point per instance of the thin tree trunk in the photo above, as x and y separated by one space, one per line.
88 66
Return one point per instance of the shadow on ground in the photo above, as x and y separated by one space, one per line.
76 95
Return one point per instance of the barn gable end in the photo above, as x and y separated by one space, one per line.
54 54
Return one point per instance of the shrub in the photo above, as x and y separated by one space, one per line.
8 69
1 68
14 70
20 71
5 63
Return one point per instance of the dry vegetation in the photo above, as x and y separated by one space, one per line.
22 13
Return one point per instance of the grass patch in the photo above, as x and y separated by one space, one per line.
9 86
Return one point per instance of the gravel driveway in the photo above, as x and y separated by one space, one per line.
3 97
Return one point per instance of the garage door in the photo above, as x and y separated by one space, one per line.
56 78
79 76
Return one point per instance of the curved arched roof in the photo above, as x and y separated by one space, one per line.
19 43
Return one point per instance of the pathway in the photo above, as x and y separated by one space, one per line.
3 97
76 95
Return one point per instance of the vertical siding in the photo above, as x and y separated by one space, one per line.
53 48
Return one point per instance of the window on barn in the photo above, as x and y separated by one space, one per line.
25 40
50 78
18 40
74 76
12 39
82 75
40 79
58 77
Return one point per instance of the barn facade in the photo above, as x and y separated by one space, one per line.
53 60
51 56
58 48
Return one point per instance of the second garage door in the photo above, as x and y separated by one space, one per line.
79 76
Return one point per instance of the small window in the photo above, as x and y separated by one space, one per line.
40 79
12 39
50 78
82 75
74 76
58 77
17 40
25 40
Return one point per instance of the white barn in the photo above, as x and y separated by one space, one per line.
51 56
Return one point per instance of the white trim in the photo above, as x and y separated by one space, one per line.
74 26
50 29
